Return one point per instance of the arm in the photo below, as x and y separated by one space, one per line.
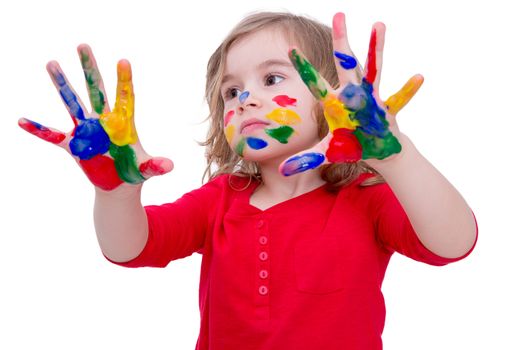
438 213
120 222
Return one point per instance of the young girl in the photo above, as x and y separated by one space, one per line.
312 188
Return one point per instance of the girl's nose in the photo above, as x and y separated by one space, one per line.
246 100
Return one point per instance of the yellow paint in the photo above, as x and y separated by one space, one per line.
337 115
229 131
284 116
119 123
397 101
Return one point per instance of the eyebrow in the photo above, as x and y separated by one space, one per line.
262 65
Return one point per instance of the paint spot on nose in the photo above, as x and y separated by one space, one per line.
244 96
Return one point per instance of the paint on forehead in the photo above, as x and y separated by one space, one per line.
101 171
284 100
256 143
228 117
302 162
68 96
94 82
126 164
229 132
346 61
284 116
281 134
41 131
371 68
89 140
239 149
308 74
244 96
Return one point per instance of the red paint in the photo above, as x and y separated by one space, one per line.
154 166
41 131
371 68
228 117
284 100
101 172
344 147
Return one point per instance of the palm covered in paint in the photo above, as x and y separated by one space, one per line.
361 125
104 143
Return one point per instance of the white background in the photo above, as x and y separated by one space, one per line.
57 290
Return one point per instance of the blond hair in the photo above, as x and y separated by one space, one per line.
315 41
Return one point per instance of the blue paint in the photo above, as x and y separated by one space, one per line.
256 143
301 163
69 97
346 61
360 100
244 96
90 139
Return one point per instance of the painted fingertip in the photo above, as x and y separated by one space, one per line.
156 166
339 26
124 70
41 131
301 163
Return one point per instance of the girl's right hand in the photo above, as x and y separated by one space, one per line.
104 143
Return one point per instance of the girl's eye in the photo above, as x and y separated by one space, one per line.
231 93
273 79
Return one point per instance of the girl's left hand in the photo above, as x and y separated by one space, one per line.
362 126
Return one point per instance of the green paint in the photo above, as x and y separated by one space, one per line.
240 147
376 147
96 96
309 75
126 163
281 134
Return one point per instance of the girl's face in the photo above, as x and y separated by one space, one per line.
268 110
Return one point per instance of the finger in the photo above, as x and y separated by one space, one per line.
348 69
73 104
94 83
374 61
306 160
399 100
315 82
47 134
119 123
155 166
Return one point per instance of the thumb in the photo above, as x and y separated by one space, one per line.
155 166
307 159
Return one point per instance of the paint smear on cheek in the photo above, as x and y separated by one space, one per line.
229 132
284 100
281 134
256 143
228 117
284 116
240 147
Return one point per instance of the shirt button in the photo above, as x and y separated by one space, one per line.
263 274
263 290
263 239
259 224
263 256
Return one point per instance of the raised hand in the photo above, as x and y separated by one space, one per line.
104 143
361 125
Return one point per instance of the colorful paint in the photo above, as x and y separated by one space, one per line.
308 74
93 80
284 116
284 100
346 61
371 67
89 140
239 149
41 131
281 134
339 26
244 96
397 101
256 143
229 132
68 96
228 117
126 164
300 163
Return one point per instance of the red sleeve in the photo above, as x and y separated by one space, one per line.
395 232
178 229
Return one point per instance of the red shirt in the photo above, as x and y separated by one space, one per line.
303 274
